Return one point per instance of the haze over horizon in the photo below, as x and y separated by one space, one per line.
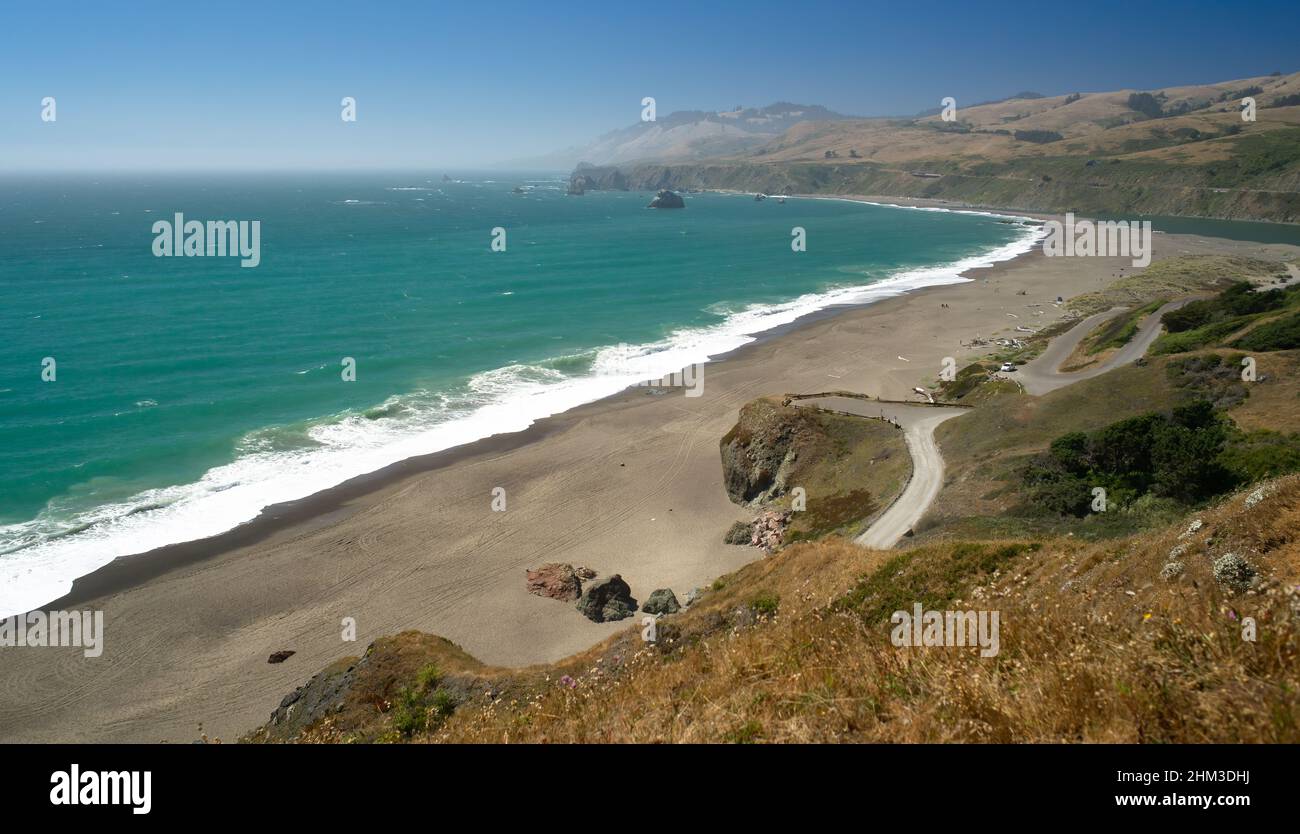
260 87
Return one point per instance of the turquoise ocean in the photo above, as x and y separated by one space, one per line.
189 392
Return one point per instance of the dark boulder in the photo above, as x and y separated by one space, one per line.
662 601
609 599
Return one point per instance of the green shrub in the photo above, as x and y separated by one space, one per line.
1146 104
409 713
765 602
1261 454
1281 334
428 677
1040 137
1201 337
1174 455
414 713
1239 299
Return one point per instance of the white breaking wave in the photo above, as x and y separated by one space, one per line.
498 401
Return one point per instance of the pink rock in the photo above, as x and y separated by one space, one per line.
555 581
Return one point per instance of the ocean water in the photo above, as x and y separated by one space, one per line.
191 392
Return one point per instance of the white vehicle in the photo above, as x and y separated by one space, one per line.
1008 367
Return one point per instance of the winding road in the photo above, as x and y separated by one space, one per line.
1043 374
919 421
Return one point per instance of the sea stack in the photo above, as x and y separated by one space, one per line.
667 199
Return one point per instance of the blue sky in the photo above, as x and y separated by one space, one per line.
144 85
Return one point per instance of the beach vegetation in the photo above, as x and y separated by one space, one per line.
1173 278
1279 334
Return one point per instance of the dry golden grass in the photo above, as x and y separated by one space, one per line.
1274 403
1098 124
1175 278
1095 646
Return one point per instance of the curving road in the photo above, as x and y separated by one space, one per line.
919 422
1042 375
921 489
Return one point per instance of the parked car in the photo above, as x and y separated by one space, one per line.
1008 367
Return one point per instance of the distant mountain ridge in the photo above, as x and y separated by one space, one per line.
1192 150
687 135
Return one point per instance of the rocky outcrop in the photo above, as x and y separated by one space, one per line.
348 691
593 178
760 452
662 601
609 599
555 581
666 199
767 530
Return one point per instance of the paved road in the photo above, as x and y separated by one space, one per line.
919 423
1043 375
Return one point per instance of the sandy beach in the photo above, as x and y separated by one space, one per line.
629 485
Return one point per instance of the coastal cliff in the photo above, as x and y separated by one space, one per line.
1187 151
597 178
1144 189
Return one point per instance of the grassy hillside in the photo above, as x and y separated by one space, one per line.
1001 479
1176 278
1098 642
1178 151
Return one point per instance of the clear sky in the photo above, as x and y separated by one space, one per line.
143 85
